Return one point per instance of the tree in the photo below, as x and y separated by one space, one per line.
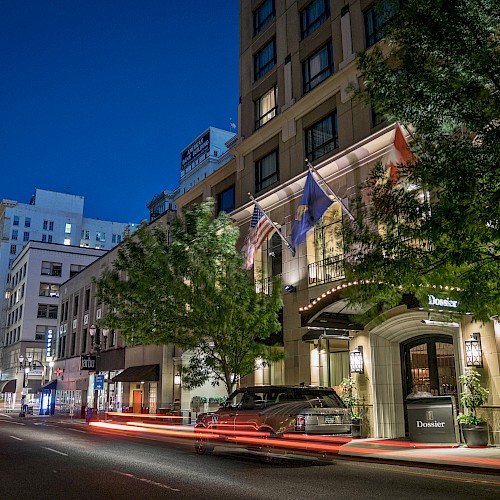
437 223
185 285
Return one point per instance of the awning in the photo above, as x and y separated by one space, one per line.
144 373
8 386
50 386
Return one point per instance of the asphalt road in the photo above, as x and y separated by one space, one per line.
40 460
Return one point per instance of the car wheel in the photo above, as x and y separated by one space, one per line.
202 446
265 451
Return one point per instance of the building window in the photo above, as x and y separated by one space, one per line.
313 16
327 248
26 236
263 15
322 137
225 201
47 311
75 305
51 225
85 234
45 225
87 299
84 340
13 249
67 228
377 118
67 241
40 332
14 234
318 67
44 238
266 171
75 269
100 236
48 290
265 59
376 19
27 222
15 222
49 238
118 238
266 107
51 268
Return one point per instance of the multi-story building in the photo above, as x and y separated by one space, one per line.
53 218
297 65
33 310
205 155
142 378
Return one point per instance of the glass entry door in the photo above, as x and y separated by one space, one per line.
428 364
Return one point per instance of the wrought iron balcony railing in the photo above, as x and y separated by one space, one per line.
326 270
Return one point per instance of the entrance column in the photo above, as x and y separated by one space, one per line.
388 410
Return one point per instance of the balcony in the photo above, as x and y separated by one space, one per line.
266 285
326 271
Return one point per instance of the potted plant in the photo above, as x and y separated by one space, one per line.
351 401
474 428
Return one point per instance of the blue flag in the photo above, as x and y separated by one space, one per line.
312 206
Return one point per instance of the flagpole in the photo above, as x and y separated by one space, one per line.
285 241
329 191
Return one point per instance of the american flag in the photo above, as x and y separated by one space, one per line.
260 228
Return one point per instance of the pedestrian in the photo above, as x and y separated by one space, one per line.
88 414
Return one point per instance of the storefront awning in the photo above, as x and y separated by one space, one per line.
8 386
144 373
51 385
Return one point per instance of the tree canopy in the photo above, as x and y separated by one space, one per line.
437 223
185 285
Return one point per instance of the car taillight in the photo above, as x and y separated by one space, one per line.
300 423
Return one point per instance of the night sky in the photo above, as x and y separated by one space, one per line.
99 97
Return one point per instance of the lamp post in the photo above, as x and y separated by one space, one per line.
26 364
96 346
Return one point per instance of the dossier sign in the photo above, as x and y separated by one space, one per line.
88 362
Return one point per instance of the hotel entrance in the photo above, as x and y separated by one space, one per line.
428 366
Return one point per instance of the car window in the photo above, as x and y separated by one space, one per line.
234 401
318 398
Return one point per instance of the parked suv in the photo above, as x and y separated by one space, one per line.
276 410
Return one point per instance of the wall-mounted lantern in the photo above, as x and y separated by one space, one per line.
177 379
356 360
473 351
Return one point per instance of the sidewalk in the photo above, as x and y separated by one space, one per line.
422 453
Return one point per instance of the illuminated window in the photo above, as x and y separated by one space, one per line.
266 107
318 67
266 171
67 241
67 228
322 137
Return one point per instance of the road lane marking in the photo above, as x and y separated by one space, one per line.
12 422
55 451
441 476
15 437
78 430
144 480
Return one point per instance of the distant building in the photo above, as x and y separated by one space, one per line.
53 218
32 311
206 154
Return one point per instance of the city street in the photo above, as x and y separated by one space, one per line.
42 459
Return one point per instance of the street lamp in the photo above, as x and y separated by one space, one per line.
96 344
